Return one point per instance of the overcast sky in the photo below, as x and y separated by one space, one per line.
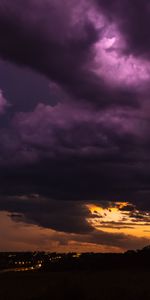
74 125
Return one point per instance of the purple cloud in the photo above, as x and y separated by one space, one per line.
89 140
3 103
72 45
61 150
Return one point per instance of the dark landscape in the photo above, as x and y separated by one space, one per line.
38 276
90 285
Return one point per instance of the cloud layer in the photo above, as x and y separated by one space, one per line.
88 138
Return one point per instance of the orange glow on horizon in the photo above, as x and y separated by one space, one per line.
120 217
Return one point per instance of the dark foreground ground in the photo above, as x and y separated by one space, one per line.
102 285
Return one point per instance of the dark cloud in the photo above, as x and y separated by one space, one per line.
24 88
71 152
134 21
116 239
89 140
62 216
67 219
57 42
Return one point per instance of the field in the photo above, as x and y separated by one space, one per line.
105 285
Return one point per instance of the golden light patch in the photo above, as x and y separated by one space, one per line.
120 216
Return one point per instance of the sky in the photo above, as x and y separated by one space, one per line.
74 125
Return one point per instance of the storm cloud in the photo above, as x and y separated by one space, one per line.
76 127
58 39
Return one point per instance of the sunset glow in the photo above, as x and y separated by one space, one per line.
120 217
